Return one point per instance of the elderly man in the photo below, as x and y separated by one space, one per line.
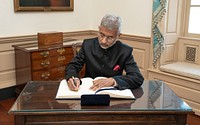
105 56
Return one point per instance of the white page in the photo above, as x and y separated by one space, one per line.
65 92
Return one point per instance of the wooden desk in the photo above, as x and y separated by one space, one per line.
155 104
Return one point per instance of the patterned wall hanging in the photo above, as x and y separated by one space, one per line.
159 10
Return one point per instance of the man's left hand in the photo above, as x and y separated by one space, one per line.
103 82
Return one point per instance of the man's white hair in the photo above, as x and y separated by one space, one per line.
112 22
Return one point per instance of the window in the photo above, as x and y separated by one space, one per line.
192 21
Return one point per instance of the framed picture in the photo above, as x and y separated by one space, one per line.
43 5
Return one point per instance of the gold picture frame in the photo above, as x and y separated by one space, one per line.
43 5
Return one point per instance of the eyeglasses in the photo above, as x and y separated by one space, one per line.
108 38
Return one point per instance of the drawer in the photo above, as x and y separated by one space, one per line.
50 62
57 73
53 52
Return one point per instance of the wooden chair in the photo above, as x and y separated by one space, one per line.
76 47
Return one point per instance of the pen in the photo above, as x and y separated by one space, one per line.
109 88
74 80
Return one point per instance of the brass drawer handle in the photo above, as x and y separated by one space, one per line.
45 75
61 50
61 58
45 63
44 53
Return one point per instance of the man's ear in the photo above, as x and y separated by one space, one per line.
119 34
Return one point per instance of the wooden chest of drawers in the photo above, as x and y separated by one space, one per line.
41 64
50 64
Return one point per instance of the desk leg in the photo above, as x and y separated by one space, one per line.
181 119
19 120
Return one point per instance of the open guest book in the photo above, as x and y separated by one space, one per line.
65 93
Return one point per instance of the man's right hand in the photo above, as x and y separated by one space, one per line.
73 84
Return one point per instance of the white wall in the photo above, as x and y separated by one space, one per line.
136 15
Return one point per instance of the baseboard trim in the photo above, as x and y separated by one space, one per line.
7 93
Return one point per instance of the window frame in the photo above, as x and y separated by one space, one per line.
186 14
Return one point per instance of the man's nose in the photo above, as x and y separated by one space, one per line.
104 40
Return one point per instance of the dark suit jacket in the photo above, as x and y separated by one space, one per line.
103 62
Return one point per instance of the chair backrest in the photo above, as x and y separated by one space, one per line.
76 47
